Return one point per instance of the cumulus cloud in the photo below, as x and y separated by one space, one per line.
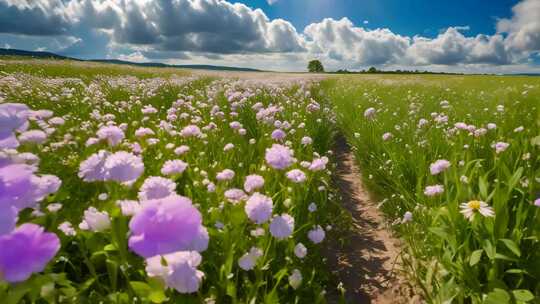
218 30
523 29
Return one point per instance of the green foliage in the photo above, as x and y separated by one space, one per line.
315 66
489 259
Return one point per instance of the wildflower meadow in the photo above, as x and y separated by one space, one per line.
147 185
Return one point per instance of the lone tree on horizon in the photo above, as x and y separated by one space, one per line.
315 66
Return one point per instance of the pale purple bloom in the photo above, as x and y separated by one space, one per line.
191 131
142 132
13 116
156 187
537 202
439 166
306 140
228 147
164 226
434 190
312 207
112 134
235 195
103 196
129 207
318 164
92 169
316 235
300 251
225 175
369 113
26 250
501 147
91 141
123 167
253 182
278 134
282 226
172 167
407 217
67 229
249 259
57 121
95 220
295 279
387 136
180 271
259 208
33 136
181 150
279 157
296 176
54 207
8 218
491 126
15 181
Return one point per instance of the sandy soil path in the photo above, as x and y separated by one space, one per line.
365 263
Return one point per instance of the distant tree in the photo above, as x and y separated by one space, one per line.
372 70
315 66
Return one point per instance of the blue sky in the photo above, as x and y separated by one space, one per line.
405 17
498 36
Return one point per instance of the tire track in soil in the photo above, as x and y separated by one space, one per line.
364 264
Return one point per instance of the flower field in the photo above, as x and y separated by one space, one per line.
456 165
135 185
175 189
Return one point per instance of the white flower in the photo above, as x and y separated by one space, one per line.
95 220
295 279
472 207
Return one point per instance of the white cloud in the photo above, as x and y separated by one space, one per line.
217 30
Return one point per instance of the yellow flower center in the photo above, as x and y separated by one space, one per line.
475 205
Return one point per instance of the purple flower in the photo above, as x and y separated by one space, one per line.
13 116
249 259
180 271
225 175
123 167
259 208
26 250
253 182
439 166
92 169
537 202
129 207
156 187
191 131
369 113
318 164
296 176
235 195
8 218
501 147
316 235
278 134
15 181
279 157
181 150
434 190
112 134
306 140
387 136
33 136
282 226
95 220
165 226
300 251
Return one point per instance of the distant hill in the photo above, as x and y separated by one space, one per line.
37 54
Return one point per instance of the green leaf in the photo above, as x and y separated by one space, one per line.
512 246
141 288
483 187
475 257
497 296
523 295
490 250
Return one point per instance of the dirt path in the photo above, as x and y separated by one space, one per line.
365 262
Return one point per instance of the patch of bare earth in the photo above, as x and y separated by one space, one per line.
366 262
